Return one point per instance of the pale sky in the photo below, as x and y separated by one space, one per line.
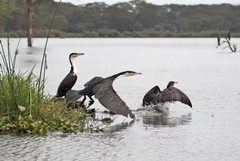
157 2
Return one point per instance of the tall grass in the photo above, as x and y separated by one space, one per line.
23 105
17 89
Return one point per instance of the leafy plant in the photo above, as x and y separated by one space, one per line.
23 106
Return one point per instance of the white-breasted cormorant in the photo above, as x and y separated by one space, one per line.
170 94
103 90
71 78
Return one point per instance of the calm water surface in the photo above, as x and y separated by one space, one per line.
209 76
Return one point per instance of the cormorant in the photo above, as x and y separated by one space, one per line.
218 40
151 96
69 81
228 35
169 94
103 90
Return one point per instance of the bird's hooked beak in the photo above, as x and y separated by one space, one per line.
74 55
137 73
171 84
174 83
78 54
133 74
127 74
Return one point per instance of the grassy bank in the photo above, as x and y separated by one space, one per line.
23 106
25 109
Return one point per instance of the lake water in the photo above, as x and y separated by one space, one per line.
208 75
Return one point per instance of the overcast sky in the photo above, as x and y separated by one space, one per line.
157 2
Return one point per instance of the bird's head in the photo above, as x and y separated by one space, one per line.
171 84
129 73
72 56
126 74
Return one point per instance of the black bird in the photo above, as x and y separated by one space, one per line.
103 90
228 35
169 94
151 96
69 81
218 40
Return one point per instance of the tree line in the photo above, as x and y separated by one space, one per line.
135 16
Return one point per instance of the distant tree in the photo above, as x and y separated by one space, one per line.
93 16
134 16
30 6
147 14
61 23
6 9
120 17
29 22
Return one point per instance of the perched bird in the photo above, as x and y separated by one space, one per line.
71 78
228 35
103 90
218 40
169 94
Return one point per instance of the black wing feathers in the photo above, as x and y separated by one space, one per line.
151 96
108 97
174 94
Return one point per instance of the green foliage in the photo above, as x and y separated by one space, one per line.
6 8
18 89
137 17
23 106
22 125
109 33
114 33
24 113
52 116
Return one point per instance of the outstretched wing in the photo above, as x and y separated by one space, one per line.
151 96
72 95
95 79
108 97
173 94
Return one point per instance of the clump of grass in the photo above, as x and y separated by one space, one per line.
23 111
53 116
23 106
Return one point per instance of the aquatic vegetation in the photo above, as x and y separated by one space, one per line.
23 111
24 108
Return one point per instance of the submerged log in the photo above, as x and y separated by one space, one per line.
227 38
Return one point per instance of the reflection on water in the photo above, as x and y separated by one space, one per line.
208 131
166 114
119 126
165 120
110 122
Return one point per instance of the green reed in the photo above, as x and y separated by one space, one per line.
23 106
